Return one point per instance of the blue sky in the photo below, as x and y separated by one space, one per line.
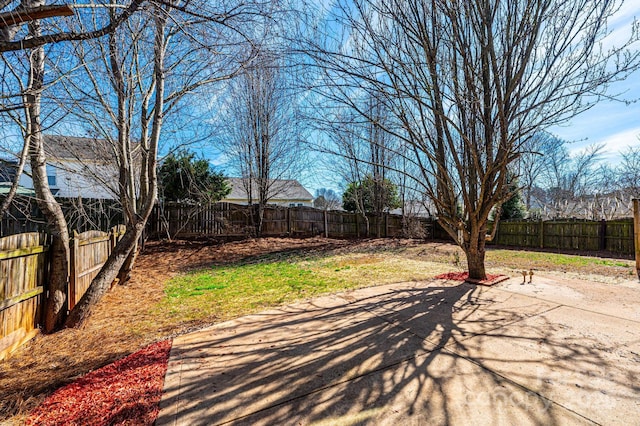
612 123
615 124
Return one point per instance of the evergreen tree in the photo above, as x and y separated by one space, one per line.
185 178
514 207
363 196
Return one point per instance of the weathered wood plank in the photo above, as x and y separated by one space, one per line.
7 303
13 341
21 252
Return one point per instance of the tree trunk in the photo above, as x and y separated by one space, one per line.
55 305
102 282
121 259
475 256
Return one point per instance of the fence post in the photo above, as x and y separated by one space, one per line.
636 232
113 238
357 226
326 225
603 234
541 233
73 270
386 225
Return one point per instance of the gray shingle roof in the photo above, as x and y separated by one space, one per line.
280 189
76 148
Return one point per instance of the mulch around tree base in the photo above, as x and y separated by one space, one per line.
464 276
126 392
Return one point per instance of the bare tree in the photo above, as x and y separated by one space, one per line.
55 307
147 87
327 199
467 83
264 136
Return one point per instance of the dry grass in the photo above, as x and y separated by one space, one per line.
124 320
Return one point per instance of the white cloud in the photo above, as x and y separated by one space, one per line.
219 160
617 142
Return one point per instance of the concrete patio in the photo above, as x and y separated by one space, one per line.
557 351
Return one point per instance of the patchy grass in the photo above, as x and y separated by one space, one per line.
519 259
228 291
221 292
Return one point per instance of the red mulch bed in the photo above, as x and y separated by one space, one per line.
126 392
464 276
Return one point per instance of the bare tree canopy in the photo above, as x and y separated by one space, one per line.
124 86
263 137
467 83
16 14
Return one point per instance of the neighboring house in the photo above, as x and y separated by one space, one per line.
288 193
78 167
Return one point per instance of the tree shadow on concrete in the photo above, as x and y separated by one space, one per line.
442 353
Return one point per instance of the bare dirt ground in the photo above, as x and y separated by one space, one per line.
49 362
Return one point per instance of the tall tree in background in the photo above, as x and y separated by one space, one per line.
264 134
467 83
567 178
534 158
629 172
363 153
371 196
327 199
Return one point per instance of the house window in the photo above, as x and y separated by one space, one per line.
51 176
299 204
292 204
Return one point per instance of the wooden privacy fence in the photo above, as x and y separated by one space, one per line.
23 268
24 264
615 236
89 251
81 214
226 219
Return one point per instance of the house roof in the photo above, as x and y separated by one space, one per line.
76 148
6 186
279 189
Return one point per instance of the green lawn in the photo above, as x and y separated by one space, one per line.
219 293
223 292
227 291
